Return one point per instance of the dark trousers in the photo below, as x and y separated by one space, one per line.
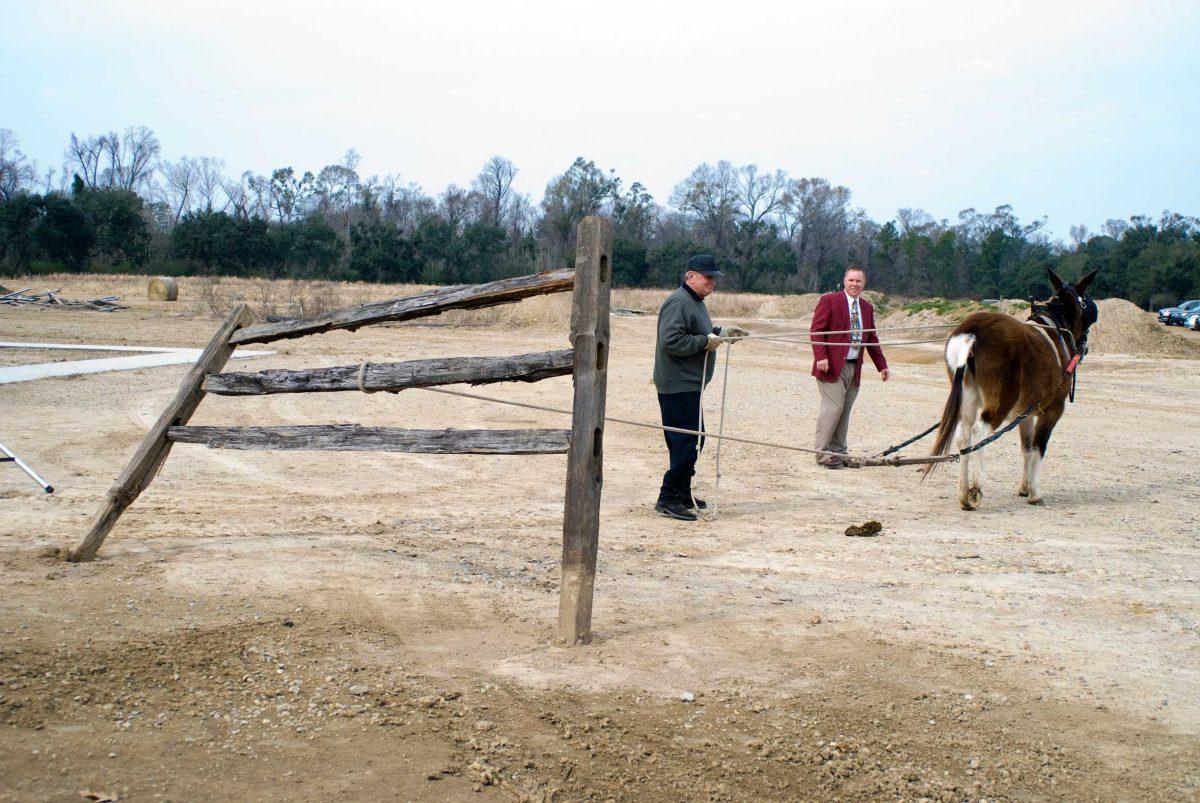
680 410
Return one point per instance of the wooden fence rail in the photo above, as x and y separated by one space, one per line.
356 438
587 361
431 302
395 375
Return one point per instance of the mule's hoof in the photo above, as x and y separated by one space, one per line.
1040 502
1023 492
972 500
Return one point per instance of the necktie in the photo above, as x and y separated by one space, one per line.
855 324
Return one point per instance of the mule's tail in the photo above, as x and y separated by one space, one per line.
959 350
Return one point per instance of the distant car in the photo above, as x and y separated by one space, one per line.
1176 316
1193 322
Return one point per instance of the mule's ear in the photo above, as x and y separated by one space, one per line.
1055 282
1082 284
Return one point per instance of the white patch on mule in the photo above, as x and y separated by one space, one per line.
958 349
970 469
1033 460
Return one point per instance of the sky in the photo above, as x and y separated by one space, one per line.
1075 111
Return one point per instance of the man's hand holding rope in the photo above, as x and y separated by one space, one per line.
732 334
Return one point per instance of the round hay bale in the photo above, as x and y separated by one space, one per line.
163 288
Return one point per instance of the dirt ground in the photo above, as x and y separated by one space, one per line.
312 626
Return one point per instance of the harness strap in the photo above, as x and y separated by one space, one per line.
1073 359
1041 328
911 440
1007 428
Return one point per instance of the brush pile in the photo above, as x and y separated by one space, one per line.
51 298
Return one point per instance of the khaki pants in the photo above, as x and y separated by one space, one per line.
837 398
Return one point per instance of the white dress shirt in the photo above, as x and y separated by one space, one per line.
852 354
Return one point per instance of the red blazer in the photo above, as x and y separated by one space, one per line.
833 315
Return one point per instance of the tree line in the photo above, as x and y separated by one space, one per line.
118 205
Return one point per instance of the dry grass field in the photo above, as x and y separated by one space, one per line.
317 626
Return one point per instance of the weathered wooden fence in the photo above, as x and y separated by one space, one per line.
583 443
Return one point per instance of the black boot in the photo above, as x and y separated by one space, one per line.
675 510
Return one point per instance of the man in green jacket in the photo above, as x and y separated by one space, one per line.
684 361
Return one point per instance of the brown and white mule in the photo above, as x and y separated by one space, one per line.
999 367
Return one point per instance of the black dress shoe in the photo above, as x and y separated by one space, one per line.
675 510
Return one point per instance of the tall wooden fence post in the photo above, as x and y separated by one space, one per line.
585 461
155 446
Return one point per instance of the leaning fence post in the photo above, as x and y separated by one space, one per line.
155 446
585 461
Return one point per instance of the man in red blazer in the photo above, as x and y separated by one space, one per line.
837 360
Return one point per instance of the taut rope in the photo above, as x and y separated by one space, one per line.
880 459
810 342
852 331
863 460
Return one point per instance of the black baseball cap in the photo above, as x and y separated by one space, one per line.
705 264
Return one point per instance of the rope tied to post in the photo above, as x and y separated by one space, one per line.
362 381
362 375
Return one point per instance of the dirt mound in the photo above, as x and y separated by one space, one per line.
1123 328
789 306
926 317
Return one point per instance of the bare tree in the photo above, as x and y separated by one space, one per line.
337 190
259 201
863 231
237 200
48 185
119 160
815 216
710 194
83 157
130 156
16 172
972 226
178 187
759 194
455 207
405 205
635 214
522 216
914 221
369 189
210 180
494 186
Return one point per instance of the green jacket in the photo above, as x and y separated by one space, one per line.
679 354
